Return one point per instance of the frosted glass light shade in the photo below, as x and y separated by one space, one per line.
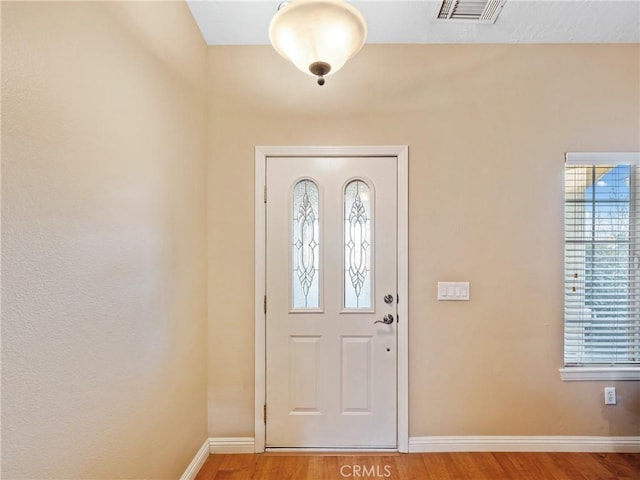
318 36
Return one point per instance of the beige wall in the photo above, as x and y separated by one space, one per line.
104 194
487 128
103 213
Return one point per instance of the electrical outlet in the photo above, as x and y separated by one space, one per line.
609 395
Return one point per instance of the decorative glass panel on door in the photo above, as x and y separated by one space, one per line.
305 246
357 246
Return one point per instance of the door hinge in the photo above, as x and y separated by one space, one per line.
265 194
265 304
264 414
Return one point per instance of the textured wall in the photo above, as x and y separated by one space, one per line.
103 217
487 128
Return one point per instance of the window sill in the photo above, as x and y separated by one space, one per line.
569 374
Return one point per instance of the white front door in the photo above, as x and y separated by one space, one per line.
331 285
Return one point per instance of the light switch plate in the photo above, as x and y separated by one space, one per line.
453 291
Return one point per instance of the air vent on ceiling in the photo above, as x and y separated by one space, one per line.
476 11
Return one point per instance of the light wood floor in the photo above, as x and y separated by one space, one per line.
423 466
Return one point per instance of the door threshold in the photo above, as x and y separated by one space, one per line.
332 451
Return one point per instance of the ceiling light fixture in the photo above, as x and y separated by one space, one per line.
317 36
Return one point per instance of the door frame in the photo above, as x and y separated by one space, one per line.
401 153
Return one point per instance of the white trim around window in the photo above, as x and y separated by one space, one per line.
601 158
601 372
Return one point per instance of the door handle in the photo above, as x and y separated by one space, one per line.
387 319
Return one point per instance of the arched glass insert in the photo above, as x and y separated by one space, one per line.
305 245
357 245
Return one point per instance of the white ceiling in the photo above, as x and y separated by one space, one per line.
245 22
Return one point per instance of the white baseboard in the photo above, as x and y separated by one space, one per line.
197 462
524 444
448 444
217 445
232 445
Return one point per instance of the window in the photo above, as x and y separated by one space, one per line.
305 245
601 264
357 246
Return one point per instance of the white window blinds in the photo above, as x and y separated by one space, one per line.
602 281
